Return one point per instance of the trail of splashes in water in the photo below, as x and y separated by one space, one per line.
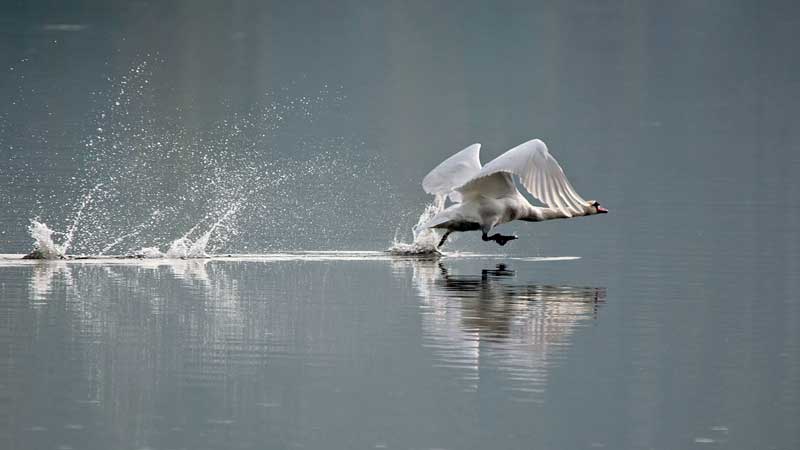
290 179
44 247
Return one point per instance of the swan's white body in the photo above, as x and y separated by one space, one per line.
486 196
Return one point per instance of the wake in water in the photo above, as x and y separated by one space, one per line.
425 240
44 247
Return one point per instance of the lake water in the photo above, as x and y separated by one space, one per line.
294 138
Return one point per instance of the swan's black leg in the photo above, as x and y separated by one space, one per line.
444 238
497 237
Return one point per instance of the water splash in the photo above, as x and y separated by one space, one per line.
425 240
148 253
157 214
85 201
145 176
184 247
44 247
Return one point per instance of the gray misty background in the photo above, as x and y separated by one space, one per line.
312 124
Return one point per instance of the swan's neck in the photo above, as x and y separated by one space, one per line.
537 214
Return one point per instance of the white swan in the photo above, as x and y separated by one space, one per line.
484 197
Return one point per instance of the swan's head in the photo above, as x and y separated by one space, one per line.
595 208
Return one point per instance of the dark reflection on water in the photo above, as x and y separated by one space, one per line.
489 319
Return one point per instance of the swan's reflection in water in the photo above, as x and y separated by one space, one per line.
488 321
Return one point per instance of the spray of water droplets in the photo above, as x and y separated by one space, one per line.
425 240
150 186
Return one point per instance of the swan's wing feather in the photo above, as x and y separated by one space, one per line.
538 171
453 172
494 185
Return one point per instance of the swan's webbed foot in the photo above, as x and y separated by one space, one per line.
499 238
502 240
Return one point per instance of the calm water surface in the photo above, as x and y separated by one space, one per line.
486 352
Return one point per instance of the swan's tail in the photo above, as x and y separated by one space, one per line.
440 218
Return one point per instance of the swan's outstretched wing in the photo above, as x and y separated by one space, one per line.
540 174
453 172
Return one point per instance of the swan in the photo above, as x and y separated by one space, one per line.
486 196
